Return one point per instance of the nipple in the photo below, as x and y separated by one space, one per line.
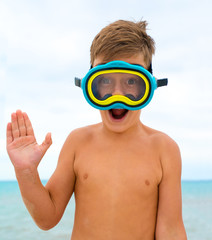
147 182
85 176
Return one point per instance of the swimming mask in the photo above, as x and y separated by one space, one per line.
120 85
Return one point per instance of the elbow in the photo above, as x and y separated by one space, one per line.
46 220
44 227
46 224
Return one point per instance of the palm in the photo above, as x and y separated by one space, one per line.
24 151
22 147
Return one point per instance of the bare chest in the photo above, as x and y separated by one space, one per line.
116 188
118 169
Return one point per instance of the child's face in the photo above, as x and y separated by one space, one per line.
120 120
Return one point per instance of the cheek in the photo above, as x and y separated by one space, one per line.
135 115
103 113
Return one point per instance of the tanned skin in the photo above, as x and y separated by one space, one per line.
125 176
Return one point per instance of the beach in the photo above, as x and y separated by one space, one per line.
17 224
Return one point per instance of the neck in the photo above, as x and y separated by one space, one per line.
126 133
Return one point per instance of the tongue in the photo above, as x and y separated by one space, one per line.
118 113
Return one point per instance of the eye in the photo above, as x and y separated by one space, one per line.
105 81
131 81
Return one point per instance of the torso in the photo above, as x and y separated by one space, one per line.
116 188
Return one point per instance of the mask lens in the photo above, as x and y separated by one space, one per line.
125 84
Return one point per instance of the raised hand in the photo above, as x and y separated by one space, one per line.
22 147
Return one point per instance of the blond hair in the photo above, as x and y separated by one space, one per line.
123 39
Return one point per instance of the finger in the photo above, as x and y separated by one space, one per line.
29 129
46 143
9 133
15 129
21 123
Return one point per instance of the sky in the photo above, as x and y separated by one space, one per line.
44 44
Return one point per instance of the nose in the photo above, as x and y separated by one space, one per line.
117 88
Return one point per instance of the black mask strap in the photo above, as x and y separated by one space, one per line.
77 81
162 82
150 68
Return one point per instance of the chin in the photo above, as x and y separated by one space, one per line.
116 129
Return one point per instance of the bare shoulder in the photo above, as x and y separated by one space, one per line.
168 149
80 136
74 142
84 132
162 140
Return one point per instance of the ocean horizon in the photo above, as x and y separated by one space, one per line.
17 224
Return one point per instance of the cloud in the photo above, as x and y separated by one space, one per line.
45 44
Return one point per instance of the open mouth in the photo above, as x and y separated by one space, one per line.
118 114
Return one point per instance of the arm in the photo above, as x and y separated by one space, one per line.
169 219
45 204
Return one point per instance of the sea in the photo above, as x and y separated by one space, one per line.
16 223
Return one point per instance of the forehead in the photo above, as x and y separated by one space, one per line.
137 59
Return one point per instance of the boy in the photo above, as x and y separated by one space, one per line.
126 177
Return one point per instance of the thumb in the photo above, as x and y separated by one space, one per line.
46 143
